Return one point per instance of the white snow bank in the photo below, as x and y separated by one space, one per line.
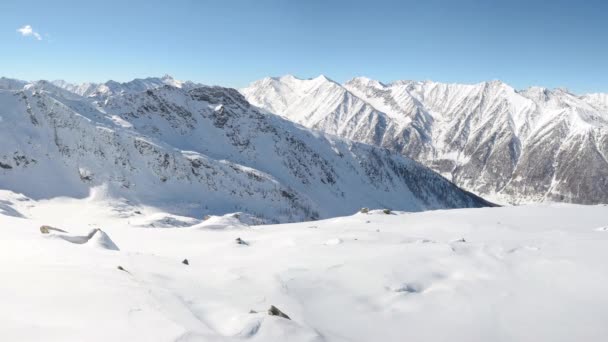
163 220
96 238
531 273
229 221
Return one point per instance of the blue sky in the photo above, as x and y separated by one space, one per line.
550 43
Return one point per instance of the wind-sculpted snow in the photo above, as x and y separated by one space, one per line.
200 151
520 273
517 146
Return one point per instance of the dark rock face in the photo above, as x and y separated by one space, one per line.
274 311
240 241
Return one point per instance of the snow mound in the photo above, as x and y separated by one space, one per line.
96 238
164 220
333 242
229 221
6 208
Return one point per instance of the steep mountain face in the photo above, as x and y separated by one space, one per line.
513 146
199 151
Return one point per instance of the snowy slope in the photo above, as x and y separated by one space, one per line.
599 100
527 274
11 84
517 146
199 151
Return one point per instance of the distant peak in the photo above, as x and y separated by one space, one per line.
495 83
288 77
167 77
291 78
365 81
562 90
323 79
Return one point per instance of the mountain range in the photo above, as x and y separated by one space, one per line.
508 145
194 150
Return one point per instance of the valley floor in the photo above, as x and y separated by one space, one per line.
530 273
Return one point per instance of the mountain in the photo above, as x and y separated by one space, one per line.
514 146
11 84
109 88
196 151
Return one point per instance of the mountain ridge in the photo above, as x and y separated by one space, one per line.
200 151
482 136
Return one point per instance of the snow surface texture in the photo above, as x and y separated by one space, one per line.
530 273
196 151
513 146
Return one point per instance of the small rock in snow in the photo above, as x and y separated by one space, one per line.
274 311
185 262
46 229
241 241
409 288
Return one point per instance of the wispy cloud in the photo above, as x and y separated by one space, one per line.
28 31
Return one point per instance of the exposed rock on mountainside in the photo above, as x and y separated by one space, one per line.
516 146
200 151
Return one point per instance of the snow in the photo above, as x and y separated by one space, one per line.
481 136
198 152
529 273
96 238
113 88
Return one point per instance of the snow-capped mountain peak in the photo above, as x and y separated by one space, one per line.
362 81
200 150
111 87
487 137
